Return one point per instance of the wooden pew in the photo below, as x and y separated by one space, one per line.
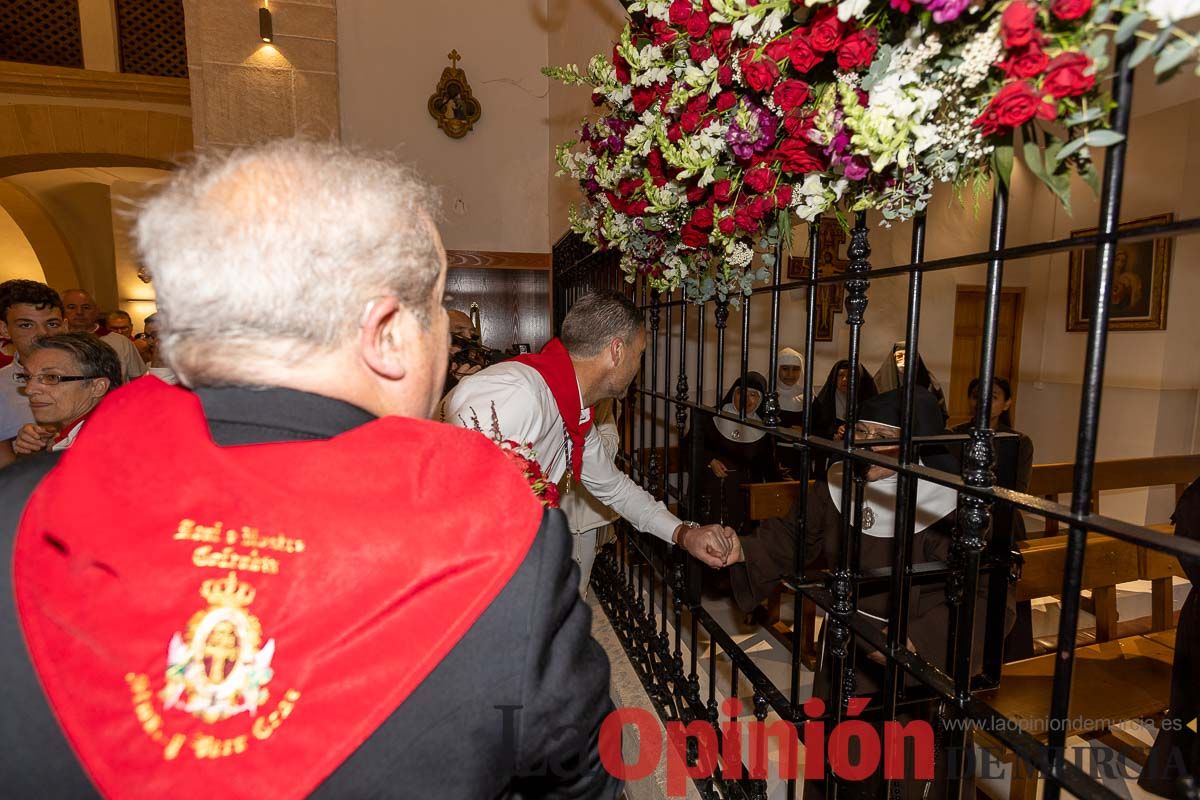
1052 480
1115 679
1160 569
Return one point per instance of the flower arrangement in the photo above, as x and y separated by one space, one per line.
524 457
721 121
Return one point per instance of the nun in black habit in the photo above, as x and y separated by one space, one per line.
732 453
897 366
1176 750
766 558
830 408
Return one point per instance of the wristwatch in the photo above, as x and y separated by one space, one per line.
690 524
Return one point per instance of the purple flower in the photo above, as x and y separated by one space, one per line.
763 130
855 168
946 10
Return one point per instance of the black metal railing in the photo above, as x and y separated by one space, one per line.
667 641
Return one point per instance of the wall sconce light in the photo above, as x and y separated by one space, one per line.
265 29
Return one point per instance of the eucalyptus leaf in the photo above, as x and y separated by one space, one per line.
1084 116
1129 26
1143 51
1069 148
1002 162
1103 12
1102 138
1098 46
879 67
1091 178
768 259
1032 154
1173 55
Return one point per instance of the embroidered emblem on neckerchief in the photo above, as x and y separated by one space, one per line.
216 669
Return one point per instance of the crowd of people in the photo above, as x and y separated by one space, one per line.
324 580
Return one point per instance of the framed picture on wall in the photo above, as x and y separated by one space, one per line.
1140 283
831 260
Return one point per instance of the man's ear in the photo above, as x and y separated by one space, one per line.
99 387
387 333
616 350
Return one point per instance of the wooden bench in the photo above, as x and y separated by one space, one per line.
1114 679
1053 480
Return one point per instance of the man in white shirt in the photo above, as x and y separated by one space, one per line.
28 309
545 401
82 316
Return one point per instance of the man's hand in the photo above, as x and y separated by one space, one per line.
32 439
712 544
718 469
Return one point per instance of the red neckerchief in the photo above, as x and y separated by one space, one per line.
245 632
65 430
553 363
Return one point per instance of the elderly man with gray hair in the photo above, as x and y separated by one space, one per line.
351 597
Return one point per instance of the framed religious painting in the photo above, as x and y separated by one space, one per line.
831 260
1140 283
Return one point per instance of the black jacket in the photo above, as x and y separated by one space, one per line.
450 738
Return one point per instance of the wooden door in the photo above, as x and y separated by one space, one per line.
514 304
968 341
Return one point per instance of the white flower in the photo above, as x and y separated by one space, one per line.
1168 12
852 9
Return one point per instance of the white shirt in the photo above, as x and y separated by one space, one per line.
14 406
527 413
132 363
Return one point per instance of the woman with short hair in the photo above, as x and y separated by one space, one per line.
65 377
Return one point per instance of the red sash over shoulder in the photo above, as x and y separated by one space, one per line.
239 620
553 363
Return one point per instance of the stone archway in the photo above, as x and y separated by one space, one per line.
38 137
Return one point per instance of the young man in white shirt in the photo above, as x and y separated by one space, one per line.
545 400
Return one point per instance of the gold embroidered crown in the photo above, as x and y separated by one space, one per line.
228 592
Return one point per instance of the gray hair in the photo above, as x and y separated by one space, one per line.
270 254
95 357
596 319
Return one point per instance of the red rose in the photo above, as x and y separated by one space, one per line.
723 191
664 34
1068 10
702 218
760 207
725 75
783 196
690 121
790 94
697 26
681 12
759 180
798 125
802 56
674 132
637 208
727 225
760 74
1018 24
1065 76
1015 104
778 50
797 157
726 101
1025 62
654 163
721 36
825 32
699 52
627 187
693 237
643 98
621 66
745 220
858 49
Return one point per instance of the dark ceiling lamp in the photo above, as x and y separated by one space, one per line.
265 29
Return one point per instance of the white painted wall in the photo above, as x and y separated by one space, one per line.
494 181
